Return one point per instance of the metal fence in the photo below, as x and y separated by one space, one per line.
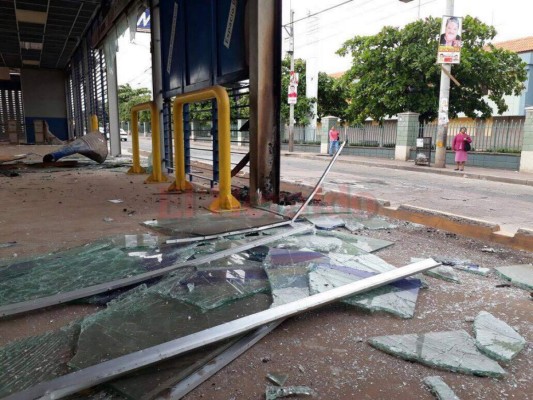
371 135
489 136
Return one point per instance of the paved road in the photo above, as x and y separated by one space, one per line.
509 205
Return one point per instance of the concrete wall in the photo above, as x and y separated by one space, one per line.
485 160
43 94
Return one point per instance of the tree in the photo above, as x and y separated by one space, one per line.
302 108
396 71
128 97
332 96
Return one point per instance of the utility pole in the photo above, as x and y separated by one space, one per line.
291 106
444 99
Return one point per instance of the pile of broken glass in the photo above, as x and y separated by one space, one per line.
208 283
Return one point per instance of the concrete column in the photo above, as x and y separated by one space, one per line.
264 49
406 134
526 159
327 123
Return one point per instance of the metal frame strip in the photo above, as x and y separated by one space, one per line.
317 186
112 369
17 308
211 368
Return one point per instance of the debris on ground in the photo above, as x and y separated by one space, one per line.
519 275
274 392
439 388
453 351
497 339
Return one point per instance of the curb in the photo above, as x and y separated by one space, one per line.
458 224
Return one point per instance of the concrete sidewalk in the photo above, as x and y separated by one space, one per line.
489 174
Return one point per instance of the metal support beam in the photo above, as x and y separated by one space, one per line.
112 369
264 33
17 308
112 93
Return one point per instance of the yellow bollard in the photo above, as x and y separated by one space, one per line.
225 201
157 175
136 167
94 123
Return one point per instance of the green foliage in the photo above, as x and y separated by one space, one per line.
396 71
332 96
128 97
302 109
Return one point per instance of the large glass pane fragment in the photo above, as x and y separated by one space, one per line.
519 275
98 262
453 350
497 339
36 359
398 298
154 315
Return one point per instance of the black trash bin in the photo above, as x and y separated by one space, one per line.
423 151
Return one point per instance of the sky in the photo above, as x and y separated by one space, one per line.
325 33
319 37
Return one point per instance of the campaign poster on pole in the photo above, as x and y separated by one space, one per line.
450 41
293 94
293 88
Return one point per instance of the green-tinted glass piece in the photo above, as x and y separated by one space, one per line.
454 351
27 362
276 392
398 298
497 339
440 388
519 275
102 261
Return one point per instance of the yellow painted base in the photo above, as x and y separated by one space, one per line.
180 186
153 179
138 170
226 203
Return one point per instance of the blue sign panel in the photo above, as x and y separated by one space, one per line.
143 23
202 44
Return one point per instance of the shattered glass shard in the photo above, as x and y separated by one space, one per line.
365 244
327 222
497 339
101 261
311 243
463 265
440 388
278 379
36 359
287 274
363 262
398 298
373 223
275 392
445 273
519 275
453 350
216 287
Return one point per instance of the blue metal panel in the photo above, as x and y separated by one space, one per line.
172 41
202 43
231 54
198 42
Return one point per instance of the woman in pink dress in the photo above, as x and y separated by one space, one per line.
458 145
